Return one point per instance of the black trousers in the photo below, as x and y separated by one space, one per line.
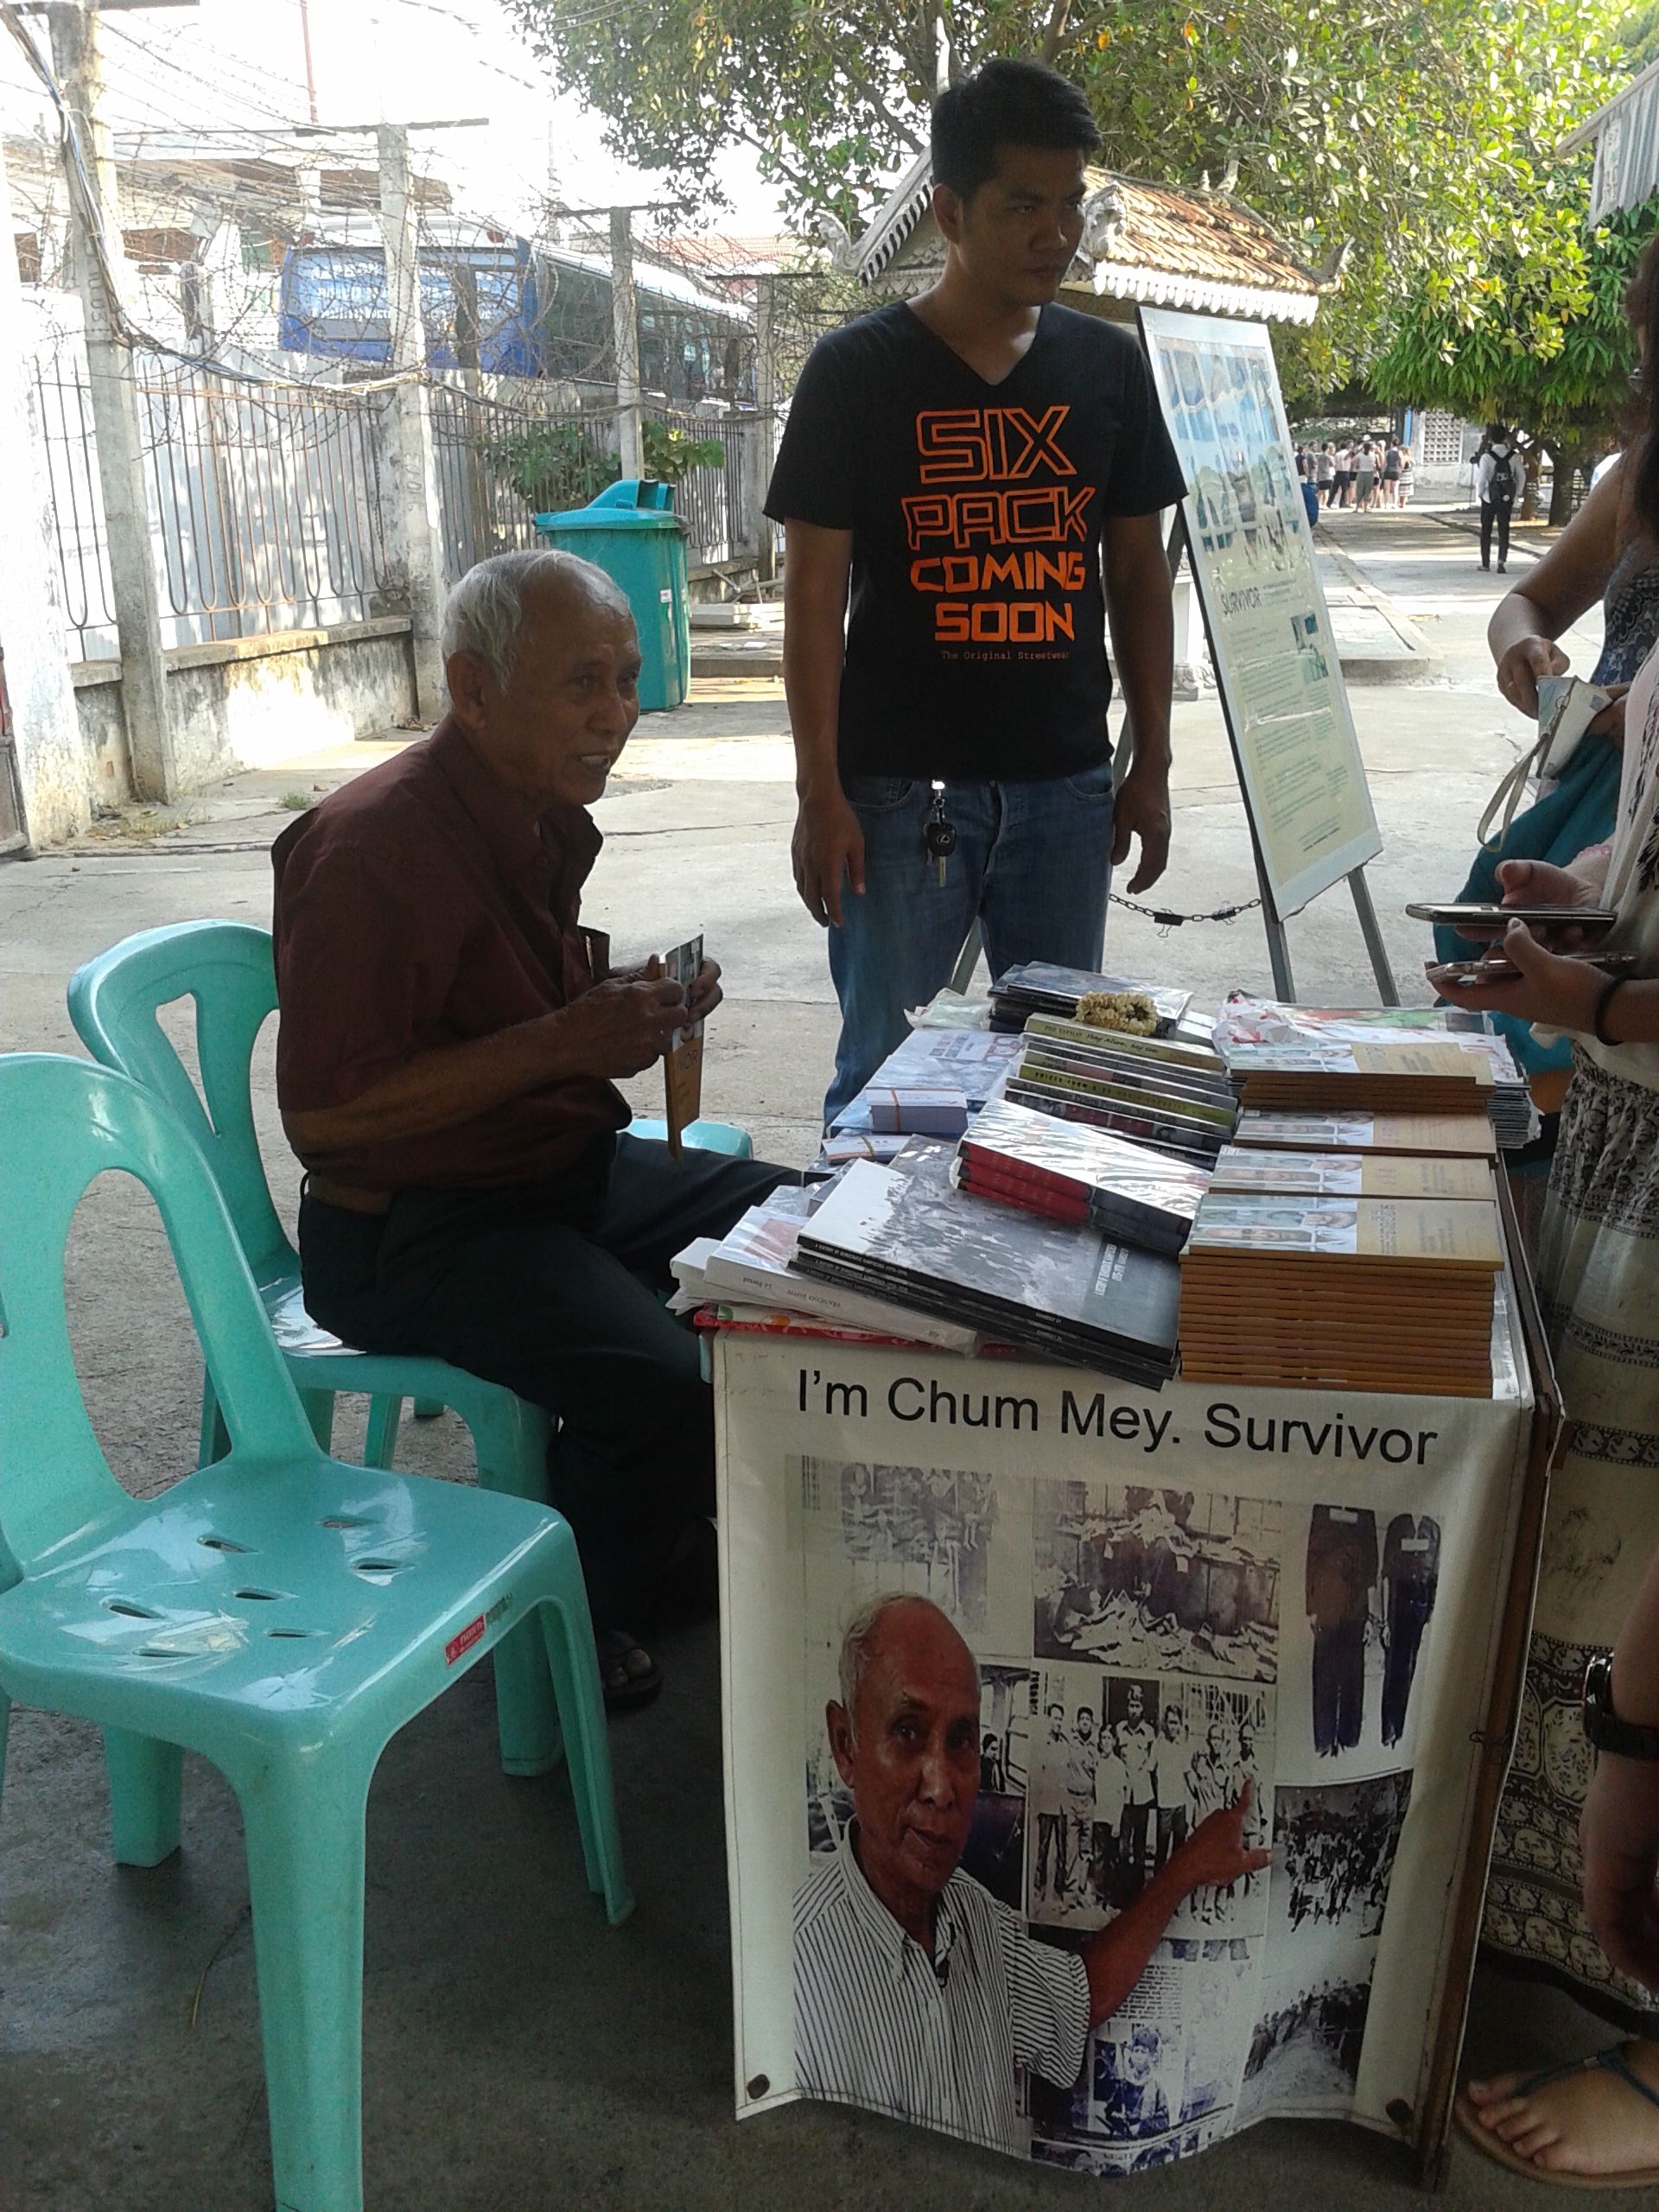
1338 1685
550 1288
1410 1606
1498 511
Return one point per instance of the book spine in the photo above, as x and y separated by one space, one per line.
811 1294
1054 1203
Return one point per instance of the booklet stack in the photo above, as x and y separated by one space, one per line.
1245 1023
1069 1172
930 1085
1453 1136
1407 1076
1051 1286
1038 987
1161 1092
1351 1174
1350 1293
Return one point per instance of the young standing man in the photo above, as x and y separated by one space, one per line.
976 464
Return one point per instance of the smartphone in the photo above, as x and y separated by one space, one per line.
1471 918
1495 970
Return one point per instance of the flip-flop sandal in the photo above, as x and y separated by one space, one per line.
1611 2061
614 1645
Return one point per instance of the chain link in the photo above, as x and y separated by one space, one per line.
1164 920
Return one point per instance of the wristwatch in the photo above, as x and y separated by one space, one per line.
1603 1728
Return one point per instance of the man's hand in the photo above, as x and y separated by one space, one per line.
1140 809
1618 1835
1215 1853
828 844
1520 668
706 994
1556 993
618 1029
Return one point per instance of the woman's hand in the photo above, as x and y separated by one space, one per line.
1556 993
1609 722
1520 667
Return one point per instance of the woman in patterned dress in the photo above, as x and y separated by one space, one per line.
1599 1274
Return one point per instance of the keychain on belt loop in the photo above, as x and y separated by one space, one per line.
938 834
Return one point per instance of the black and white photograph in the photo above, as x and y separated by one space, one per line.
1369 1577
1160 2076
1166 1581
1122 1771
937 1533
1305 2048
1333 1853
996 1851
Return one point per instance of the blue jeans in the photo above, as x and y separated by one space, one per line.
1032 865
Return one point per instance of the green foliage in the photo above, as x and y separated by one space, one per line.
555 466
669 455
1496 358
1420 135
552 465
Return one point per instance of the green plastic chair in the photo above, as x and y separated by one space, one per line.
279 1613
226 969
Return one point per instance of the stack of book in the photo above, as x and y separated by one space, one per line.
1049 1287
1351 1174
1070 1172
753 1265
1246 1024
1452 1135
1162 1091
1038 987
1341 1293
930 1085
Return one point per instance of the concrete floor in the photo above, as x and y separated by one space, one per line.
517 2052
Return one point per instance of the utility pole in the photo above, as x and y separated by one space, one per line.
766 405
95 237
417 518
624 318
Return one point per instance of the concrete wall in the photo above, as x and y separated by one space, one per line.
253 703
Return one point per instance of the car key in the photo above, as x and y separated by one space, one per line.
938 834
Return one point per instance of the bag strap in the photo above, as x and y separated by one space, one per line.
1505 801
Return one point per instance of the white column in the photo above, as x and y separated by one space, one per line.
55 767
624 319
414 519
116 422
765 451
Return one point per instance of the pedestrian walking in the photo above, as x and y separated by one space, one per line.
1497 479
1365 475
1324 473
1392 458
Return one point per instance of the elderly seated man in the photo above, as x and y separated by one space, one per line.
917 1993
448 1043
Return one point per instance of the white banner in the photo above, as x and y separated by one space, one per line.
1164 1594
1270 635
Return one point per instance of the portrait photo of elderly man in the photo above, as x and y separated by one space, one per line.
450 1037
917 1993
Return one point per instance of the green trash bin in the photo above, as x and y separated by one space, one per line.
633 532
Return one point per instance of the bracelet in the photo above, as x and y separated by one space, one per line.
1599 1029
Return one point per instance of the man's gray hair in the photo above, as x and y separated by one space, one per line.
483 613
859 1638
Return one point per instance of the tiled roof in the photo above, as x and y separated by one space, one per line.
1147 242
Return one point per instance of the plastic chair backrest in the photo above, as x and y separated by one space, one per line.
62 1122
225 966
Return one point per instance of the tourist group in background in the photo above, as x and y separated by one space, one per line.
1369 474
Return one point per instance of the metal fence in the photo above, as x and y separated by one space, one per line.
499 464
63 402
266 503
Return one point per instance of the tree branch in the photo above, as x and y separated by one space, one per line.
1055 30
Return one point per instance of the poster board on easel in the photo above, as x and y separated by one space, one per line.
1277 670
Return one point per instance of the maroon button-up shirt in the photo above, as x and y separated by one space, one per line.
417 907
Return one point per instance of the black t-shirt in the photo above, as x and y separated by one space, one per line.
976 637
